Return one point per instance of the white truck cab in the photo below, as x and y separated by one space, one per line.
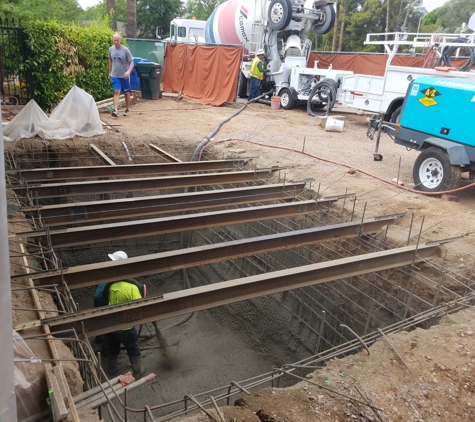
187 31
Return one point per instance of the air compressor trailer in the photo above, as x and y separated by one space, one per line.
437 119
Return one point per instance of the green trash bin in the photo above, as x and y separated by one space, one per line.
150 75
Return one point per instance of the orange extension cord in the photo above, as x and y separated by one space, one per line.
340 164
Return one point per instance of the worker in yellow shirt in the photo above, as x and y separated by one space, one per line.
120 292
256 74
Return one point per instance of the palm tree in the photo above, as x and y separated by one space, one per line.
344 8
131 19
335 27
110 5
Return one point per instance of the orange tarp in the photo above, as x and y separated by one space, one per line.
366 64
208 75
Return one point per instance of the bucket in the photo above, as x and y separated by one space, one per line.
334 125
275 102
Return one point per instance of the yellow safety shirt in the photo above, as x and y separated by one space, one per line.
122 291
256 72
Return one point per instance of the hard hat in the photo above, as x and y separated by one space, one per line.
259 52
118 255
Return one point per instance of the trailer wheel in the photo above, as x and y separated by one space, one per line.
280 14
286 100
433 171
326 22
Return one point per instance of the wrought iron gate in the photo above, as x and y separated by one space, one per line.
16 79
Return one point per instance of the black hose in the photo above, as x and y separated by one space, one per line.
445 58
320 87
216 129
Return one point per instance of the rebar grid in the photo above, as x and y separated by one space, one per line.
28 154
392 295
308 364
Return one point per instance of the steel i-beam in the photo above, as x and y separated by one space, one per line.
110 318
92 172
104 272
79 212
52 190
174 224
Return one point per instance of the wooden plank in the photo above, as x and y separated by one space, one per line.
51 341
165 155
101 155
59 410
108 101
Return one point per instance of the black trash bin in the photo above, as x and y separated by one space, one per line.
150 78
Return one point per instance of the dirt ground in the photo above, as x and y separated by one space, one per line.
439 385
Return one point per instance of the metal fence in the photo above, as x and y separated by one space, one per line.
16 81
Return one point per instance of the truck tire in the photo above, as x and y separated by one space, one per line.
280 14
325 24
243 86
433 171
286 100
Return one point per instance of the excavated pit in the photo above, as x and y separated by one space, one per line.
239 341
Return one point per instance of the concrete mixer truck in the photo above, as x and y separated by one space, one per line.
279 27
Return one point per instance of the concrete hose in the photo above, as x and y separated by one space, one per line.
320 87
447 52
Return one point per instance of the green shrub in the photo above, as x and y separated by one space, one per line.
63 55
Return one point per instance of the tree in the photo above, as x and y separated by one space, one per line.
153 13
369 20
455 13
131 19
346 7
335 27
430 22
201 9
98 11
60 10
111 11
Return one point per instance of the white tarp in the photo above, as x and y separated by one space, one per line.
76 114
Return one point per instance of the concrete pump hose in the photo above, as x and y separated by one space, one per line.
321 87
201 145
447 52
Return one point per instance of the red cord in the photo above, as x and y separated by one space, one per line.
342 164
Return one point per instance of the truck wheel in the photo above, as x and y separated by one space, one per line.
433 171
243 86
286 100
325 24
280 14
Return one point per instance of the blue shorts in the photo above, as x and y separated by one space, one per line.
121 84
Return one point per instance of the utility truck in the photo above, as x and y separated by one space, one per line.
279 27
436 119
385 94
